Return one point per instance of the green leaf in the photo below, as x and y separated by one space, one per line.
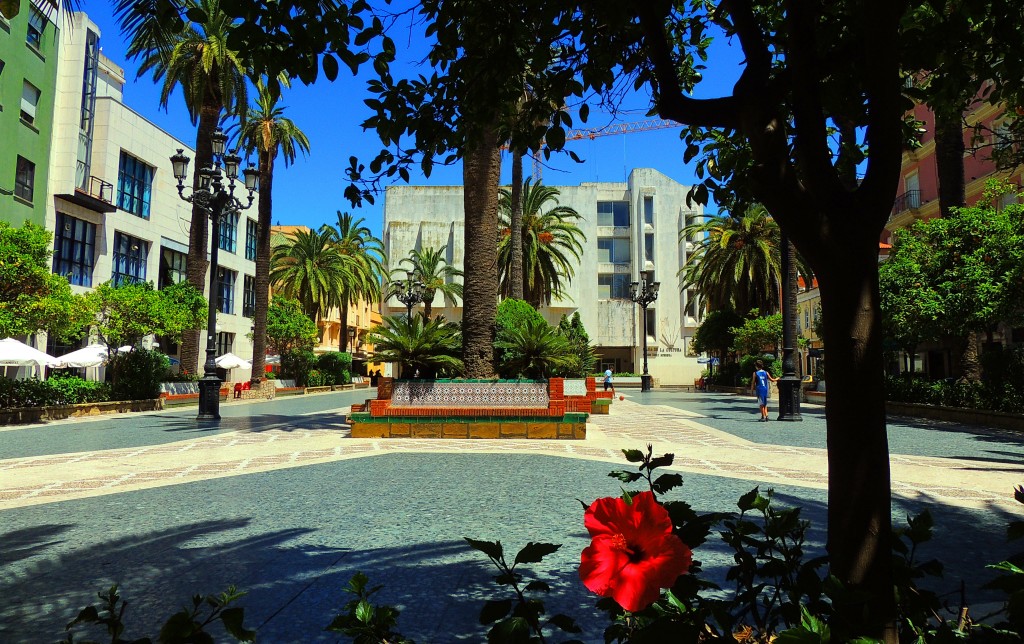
666 482
535 552
330 65
746 502
565 623
662 461
633 455
538 585
626 477
233 624
177 627
514 630
364 612
495 610
492 549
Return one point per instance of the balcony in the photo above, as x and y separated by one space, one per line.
98 195
909 200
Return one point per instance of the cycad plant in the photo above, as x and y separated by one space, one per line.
429 348
534 351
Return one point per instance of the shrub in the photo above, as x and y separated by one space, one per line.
335 367
138 374
58 390
297 364
72 390
316 378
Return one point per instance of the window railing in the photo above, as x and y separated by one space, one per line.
909 200
98 188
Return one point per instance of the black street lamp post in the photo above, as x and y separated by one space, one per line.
217 200
410 294
789 383
643 293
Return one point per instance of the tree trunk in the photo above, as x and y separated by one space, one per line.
949 160
516 226
970 361
481 173
344 323
428 296
198 239
265 208
859 499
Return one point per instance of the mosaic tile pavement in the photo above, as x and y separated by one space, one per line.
698 449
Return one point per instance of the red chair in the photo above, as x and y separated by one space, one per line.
247 385
238 390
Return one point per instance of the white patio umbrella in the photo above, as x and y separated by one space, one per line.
90 356
231 361
19 354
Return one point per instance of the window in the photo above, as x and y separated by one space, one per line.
614 251
613 286
652 323
691 303
225 343
134 185
228 232
25 179
649 211
74 249
807 317
226 291
29 102
36 28
129 263
613 213
649 248
173 266
251 228
249 296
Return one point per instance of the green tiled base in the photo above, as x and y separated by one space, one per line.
569 427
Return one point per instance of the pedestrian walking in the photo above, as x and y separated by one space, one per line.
759 385
608 380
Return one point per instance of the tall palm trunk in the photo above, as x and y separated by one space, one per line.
343 343
262 281
516 225
428 296
481 173
198 239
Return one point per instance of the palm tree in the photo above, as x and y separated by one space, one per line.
212 79
429 267
266 131
309 268
552 244
736 263
365 253
534 351
428 347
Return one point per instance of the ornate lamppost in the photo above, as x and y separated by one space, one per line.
410 293
643 293
789 383
215 198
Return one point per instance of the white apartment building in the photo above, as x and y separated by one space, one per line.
115 211
630 228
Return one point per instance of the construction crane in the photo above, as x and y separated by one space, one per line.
607 130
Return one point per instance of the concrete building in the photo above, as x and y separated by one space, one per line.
114 207
630 227
28 79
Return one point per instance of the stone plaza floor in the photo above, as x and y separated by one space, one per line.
278 500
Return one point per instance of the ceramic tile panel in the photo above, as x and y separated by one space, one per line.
574 387
521 395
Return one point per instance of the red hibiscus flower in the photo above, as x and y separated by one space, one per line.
633 553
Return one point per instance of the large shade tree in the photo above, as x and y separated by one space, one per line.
266 131
550 242
195 57
364 255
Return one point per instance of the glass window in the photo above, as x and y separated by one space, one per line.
134 185
649 248
226 291
614 251
649 210
129 263
29 101
652 323
613 286
225 343
691 303
36 28
613 213
25 179
173 266
74 249
249 296
251 228
228 232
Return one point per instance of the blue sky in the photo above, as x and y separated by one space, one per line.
310 192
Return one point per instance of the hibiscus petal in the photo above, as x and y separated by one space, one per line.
633 588
600 565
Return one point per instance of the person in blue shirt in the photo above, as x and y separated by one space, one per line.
759 384
608 380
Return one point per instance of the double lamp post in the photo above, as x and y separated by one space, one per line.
643 293
218 200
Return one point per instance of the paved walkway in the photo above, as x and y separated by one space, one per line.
280 501
698 447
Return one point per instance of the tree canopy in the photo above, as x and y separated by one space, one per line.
288 327
127 313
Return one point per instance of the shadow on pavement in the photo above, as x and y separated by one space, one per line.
28 542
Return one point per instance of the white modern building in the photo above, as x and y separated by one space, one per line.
115 211
630 228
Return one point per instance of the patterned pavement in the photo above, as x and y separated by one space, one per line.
698 447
